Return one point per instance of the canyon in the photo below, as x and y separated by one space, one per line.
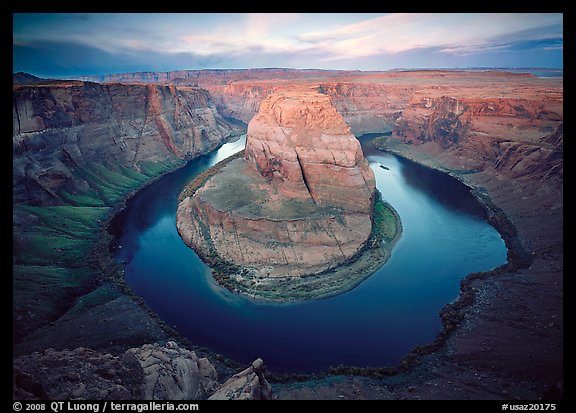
81 147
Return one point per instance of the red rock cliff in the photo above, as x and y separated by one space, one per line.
303 146
301 201
60 125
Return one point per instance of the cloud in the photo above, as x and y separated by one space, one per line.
261 25
321 40
469 49
60 59
453 33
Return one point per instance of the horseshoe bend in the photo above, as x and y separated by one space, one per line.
306 206
293 218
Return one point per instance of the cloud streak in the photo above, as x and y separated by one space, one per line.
298 40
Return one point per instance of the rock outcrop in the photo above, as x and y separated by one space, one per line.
77 374
299 203
249 384
303 147
174 373
149 372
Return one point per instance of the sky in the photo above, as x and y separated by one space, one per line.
70 44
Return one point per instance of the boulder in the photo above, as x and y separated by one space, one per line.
174 373
249 384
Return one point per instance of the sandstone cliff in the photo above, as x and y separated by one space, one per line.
509 136
79 148
60 126
301 144
299 203
368 101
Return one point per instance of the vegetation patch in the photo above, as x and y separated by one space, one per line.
61 252
385 223
199 181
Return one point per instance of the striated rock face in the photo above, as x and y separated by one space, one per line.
301 144
249 384
299 203
174 373
150 372
512 137
59 126
369 107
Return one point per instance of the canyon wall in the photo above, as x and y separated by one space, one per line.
79 149
470 120
482 110
478 128
59 126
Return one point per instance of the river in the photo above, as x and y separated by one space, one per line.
445 238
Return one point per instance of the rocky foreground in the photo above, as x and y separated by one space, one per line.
299 203
149 372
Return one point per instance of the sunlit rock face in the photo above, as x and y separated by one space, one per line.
301 200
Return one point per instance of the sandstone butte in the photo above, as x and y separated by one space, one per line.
300 201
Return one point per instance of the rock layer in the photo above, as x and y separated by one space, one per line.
511 137
301 201
59 126
305 149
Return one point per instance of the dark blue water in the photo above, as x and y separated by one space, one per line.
444 239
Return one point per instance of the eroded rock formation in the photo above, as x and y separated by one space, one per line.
174 373
301 144
249 384
149 372
299 203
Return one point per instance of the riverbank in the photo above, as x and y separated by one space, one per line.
83 284
503 337
386 230
63 252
